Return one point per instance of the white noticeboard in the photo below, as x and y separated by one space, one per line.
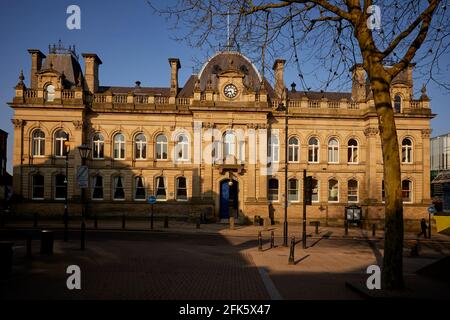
83 177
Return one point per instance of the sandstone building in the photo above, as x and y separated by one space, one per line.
213 144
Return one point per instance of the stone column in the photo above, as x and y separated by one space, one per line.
262 159
426 197
18 156
197 157
371 134
251 162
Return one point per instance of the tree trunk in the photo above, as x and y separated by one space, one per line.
392 270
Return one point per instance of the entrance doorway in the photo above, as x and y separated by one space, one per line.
228 198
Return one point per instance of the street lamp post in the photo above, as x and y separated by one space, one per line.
84 154
282 107
66 203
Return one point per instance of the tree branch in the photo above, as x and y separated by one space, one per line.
426 13
417 43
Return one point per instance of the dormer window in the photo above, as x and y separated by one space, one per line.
397 103
50 93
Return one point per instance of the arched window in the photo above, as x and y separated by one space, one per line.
407 191
333 190
182 148
60 138
161 147
352 187
407 150
119 147
229 145
97 191
293 190
315 190
140 149
139 188
313 150
181 194
397 103
273 189
160 189
98 146
293 150
38 143
333 151
60 187
352 151
274 148
50 93
37 192
119 189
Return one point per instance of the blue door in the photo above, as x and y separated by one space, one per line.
228 198
224 199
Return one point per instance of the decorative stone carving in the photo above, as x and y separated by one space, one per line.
426 133
371 132
209 125
18 123
78 124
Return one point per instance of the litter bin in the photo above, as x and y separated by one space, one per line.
257 220
46 242
6 258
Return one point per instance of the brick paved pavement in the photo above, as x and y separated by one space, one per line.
209 263
139 266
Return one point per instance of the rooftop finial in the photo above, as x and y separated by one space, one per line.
21 77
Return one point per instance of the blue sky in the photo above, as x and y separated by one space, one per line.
133 43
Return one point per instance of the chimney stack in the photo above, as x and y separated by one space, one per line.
358 83
174 66
91 63
36 63
278 68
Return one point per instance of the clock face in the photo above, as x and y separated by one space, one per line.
230 91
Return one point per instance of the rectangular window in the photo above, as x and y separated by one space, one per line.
97 193
352 191
333 191
119 192
38 187
273 190
293 190
140 189
181 189
315 191
160 189
60 187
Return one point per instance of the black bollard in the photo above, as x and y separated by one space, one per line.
317 227
47 242
95 222
272 239
259 241
2 220
374 228
198 223
123 222
292 249
346 227
83 234
166 222
35 220
6 258
151 221
28 255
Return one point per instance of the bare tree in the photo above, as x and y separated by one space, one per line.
341 34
